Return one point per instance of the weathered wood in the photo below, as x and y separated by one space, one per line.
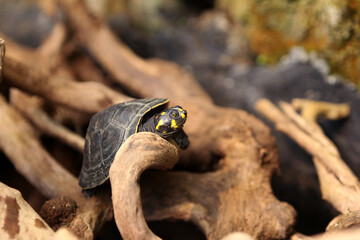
139 152
339 185
240 187
17 218
56 86
22 147
231 197
242 143
31 108
161 78
344 221
313 110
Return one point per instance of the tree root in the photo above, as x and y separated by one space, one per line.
339 186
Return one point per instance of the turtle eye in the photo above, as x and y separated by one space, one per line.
174 114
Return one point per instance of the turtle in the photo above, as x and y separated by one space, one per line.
109 128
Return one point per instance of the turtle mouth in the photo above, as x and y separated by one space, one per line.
181 122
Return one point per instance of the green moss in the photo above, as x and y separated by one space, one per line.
329 27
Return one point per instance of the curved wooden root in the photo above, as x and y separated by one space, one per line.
234 196
140 152
338 183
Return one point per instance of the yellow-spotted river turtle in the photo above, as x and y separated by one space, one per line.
109 128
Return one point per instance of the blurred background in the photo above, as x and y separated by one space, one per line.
239 51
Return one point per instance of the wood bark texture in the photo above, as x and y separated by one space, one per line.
338 183
233 153
339 186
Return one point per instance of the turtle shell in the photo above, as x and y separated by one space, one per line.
106 132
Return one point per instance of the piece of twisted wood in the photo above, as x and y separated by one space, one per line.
237 195
24 150
57 86
139 152
338 183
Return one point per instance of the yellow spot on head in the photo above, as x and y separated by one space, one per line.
164 131
162 113
159 124
173 124
181 110
182 115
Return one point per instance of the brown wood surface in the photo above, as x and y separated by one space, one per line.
233 152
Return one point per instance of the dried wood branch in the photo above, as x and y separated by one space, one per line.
338 184
51 47
31 108
312 110
18 219
240 192
344 221
140 152
59 88
132 72
248 156
17 140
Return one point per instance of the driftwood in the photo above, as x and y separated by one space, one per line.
25 151
244 144
236 147
23 148
339 186
58 86
31 108
233 152
149 151
20 221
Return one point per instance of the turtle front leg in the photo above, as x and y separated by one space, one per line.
181 139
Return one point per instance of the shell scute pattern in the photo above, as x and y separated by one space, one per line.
106 132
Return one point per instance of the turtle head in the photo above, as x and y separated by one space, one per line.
170 120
